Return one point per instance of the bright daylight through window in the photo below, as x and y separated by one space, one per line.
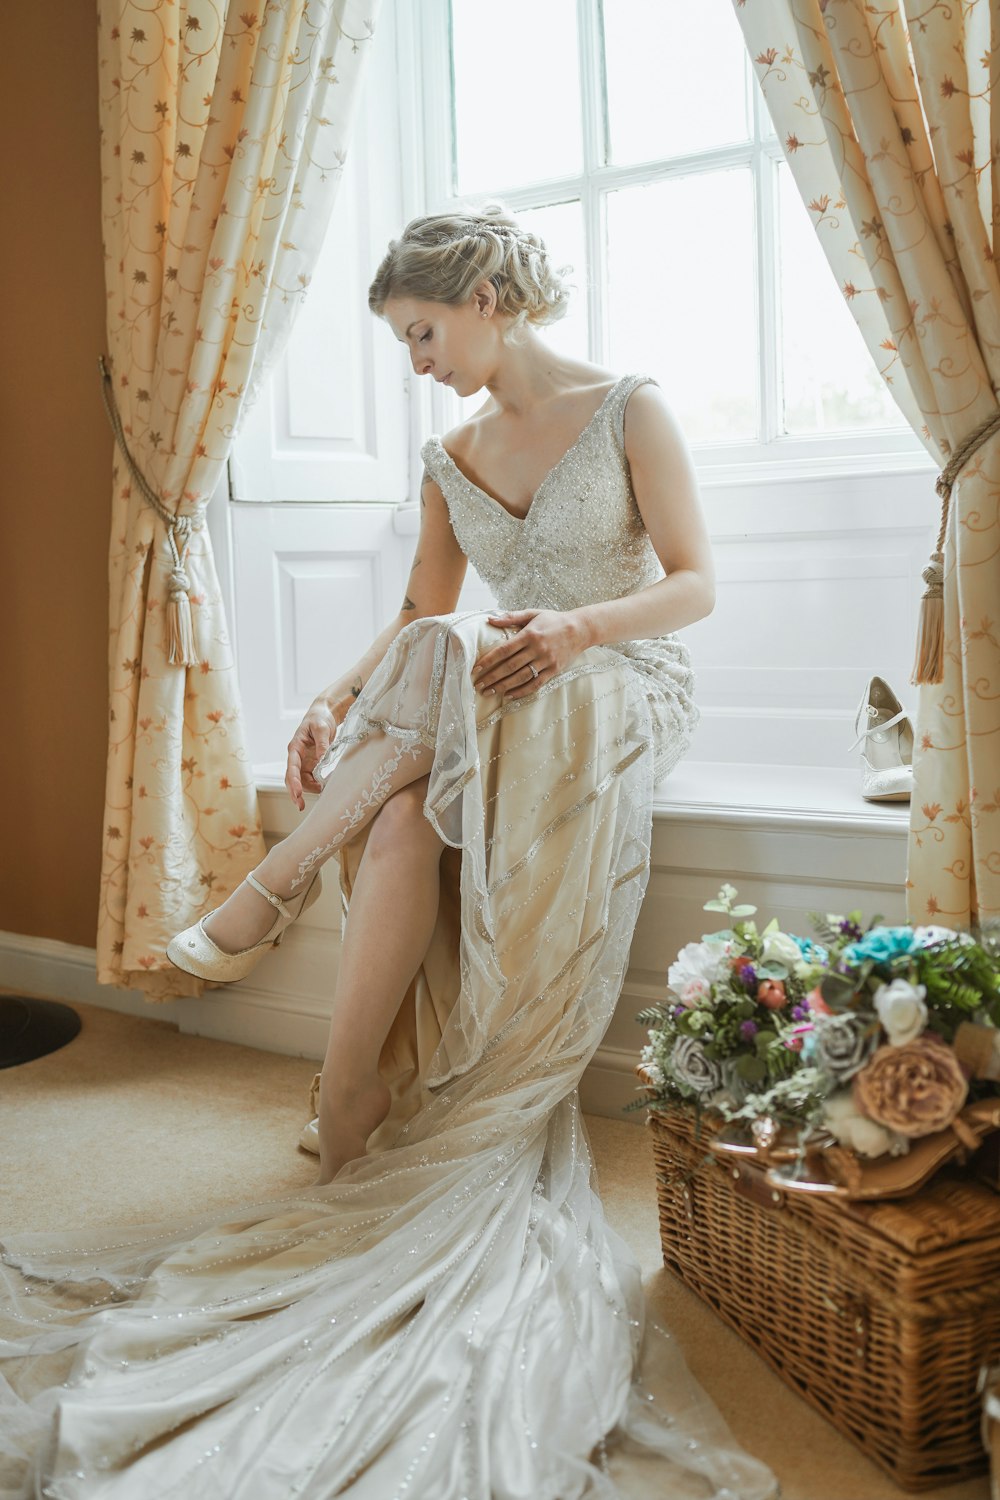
693 254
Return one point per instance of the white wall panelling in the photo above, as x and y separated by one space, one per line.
331 424
314 585
818 588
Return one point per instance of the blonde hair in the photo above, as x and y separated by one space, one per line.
444 257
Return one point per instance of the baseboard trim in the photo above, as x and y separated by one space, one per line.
269 1020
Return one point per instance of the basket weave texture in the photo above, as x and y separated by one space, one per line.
879 1314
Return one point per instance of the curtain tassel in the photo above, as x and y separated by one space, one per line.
928 664
180 626
180 645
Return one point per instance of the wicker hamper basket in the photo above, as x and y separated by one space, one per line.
880 1314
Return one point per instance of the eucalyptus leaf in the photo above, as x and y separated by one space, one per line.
772 969
743 911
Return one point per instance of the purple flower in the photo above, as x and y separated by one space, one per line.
748 1029
678 1010
851 929
800 1013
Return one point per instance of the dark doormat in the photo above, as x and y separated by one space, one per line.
31 1028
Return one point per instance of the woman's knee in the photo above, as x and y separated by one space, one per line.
400 821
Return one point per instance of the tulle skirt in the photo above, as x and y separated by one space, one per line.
451 1318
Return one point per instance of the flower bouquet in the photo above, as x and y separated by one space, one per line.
870 1039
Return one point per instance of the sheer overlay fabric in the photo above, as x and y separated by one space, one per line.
452 1316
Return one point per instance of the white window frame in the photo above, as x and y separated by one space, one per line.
777 456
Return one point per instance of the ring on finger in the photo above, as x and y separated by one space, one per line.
532 669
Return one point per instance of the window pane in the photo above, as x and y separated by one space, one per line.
676 77
517 93
561 227
830 383
681 301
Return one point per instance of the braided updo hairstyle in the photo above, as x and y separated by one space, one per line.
444 257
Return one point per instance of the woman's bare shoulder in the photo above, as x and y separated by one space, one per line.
458 438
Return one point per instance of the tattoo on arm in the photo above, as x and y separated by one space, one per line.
407 604
424 480
415 564
356 687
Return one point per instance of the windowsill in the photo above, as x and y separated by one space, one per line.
757 796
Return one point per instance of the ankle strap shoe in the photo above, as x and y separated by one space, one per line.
193 950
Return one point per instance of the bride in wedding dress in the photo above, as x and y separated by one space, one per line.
445 1313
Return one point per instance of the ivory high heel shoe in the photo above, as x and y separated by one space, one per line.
887 756
193 950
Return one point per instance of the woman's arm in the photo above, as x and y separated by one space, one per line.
433 587
666 492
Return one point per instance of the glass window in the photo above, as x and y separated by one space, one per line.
829 382
681 301
664 51
647 159
517 93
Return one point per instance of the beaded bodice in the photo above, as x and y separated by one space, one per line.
583 538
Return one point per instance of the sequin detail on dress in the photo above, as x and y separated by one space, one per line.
581 542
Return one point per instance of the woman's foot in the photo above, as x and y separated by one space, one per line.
348 1113
246 917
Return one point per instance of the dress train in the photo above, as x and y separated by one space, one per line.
451 1318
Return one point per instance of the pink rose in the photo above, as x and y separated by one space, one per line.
771 992
817 1004
915 1089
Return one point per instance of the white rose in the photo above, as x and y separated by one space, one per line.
696 961
925 936
780 947
901 1009
856 1131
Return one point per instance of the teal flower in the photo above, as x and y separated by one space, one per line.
881 944
814 953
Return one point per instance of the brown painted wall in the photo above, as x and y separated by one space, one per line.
55 475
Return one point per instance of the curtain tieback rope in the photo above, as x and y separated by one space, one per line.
928 664
180 627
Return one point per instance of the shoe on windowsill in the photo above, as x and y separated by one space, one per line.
882 724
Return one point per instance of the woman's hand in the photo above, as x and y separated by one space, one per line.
310 741
548 639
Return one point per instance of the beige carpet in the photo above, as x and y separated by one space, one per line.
133 1121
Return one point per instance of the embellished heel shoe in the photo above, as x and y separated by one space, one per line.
887 755
193 950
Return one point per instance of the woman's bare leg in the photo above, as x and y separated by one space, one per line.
393 909
361 782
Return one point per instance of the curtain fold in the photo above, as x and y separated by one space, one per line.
223 137
887 113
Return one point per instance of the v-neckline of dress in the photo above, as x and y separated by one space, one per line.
545 478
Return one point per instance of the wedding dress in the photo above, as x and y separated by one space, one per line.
451 1318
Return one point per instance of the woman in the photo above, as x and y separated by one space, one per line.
446 1313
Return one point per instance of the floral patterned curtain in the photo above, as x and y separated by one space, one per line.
887 110
224 133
